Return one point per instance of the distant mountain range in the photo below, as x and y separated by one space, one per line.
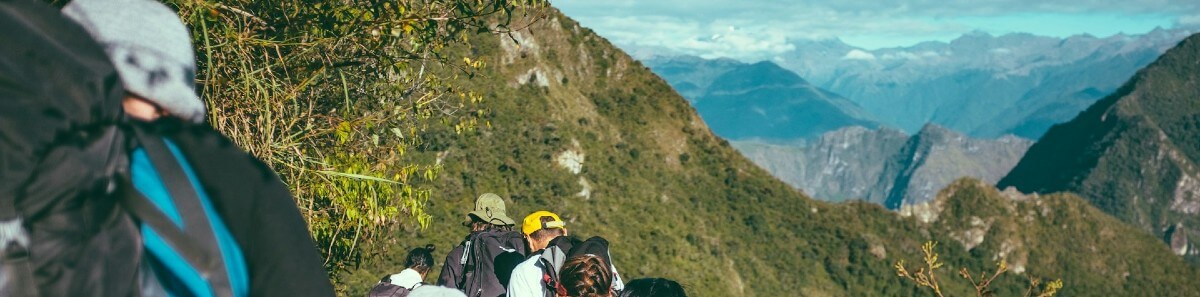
1134 154
760 100
983 85
885 166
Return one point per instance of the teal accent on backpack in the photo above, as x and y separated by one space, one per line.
147 181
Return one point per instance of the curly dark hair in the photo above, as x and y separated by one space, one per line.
585 276
420 259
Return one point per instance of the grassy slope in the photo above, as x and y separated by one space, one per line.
678 202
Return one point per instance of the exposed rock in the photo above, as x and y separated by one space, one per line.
571 159
586 188
1176 237
535 76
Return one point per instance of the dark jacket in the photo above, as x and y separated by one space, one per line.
258 208
452 269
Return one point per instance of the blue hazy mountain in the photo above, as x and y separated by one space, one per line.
760 100
983 85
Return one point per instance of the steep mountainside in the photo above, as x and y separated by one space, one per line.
885 166
984 85
936 156
601 140
840 165
1133 154
761 100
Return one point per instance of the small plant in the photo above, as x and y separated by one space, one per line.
926 277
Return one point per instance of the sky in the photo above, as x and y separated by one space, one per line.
761 29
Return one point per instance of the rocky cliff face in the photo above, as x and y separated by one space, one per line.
838 166
1133 154
885 166
937 156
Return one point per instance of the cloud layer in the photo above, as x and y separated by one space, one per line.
761 29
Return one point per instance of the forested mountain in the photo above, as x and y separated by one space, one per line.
1133 154
885 166
574 125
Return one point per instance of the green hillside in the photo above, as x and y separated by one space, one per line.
574 125
1134 154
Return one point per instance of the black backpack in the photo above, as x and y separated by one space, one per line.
551 261
564 248
385 288
61 231
488 261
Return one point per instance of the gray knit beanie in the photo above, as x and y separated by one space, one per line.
150 48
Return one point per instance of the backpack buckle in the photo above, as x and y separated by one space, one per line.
14 239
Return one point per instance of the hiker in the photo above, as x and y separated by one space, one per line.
547 236
652 287
585 276
482 263
598 246
199 200
418 263
535 276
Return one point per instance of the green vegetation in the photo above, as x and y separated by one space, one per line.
334 95
680 203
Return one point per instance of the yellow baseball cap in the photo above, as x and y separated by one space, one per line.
533 222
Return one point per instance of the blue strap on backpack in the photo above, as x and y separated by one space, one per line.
193 249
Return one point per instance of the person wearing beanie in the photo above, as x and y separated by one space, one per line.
253 224
152 52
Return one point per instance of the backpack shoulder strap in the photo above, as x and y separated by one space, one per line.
195 241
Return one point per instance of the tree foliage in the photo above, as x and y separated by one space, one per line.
334 94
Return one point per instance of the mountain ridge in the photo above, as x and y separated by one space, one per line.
759 100
983 85
1134 153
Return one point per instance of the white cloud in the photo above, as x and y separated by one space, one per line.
711 40
759 29
857 54
1189 20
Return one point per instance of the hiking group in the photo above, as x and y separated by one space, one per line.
112 184
539 260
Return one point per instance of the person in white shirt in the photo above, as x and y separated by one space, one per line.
529 278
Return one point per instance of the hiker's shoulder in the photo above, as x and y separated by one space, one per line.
204 145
